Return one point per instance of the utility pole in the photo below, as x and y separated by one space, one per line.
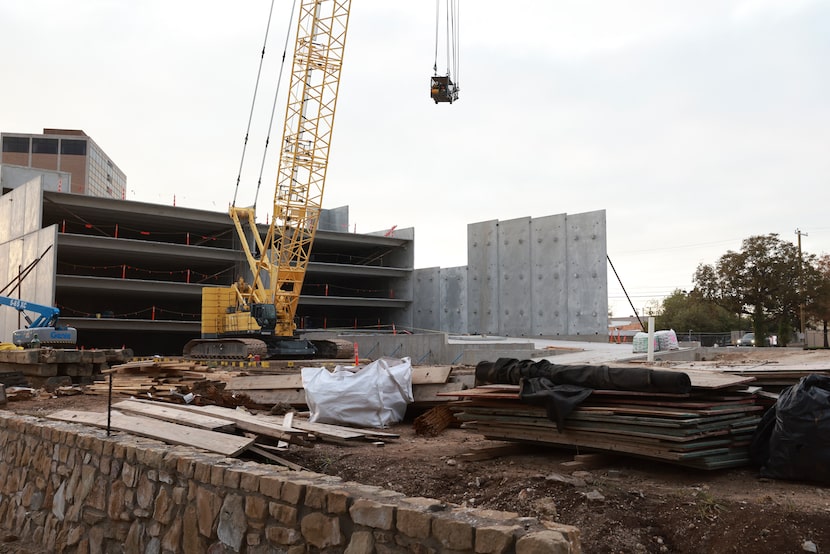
801 287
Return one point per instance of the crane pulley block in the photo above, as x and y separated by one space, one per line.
442 89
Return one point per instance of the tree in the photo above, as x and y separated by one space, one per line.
682 310
819 308
760 281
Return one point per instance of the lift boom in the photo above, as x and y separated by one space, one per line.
44 329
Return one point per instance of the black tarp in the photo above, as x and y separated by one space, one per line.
561 388
793 439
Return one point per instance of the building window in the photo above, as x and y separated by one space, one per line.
44 146
16 144
73 147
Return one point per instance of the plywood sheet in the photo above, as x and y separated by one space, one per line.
172 433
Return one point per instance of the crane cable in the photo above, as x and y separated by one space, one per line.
253 103
437 13
452 29
455 42
274 103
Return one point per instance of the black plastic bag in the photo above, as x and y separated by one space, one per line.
799 445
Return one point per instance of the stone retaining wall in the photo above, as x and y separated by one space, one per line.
73 489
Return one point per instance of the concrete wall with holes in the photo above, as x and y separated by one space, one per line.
22 241
543 276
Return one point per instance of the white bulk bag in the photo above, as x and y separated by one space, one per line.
375 395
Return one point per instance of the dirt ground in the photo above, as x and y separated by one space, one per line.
620 505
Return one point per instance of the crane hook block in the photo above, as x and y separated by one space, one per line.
442 89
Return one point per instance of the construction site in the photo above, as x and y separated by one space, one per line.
176 379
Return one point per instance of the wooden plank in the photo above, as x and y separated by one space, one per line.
249 422
600 442
341 431
266 382
421 375
585 440
662 434
703 379
435 393
644 410
276 459
587 462
692 404
292 397
430 375
480 392
169 412
172 433
490 452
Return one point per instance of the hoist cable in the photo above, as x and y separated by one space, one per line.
253 103
274 103
437 12
455 46
449 42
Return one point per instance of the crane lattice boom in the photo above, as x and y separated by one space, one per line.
306 142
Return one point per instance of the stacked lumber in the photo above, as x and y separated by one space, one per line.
709 428
775 378
769 378
153 379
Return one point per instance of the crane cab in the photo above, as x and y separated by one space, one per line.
442 89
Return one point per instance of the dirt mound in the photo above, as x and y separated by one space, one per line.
627 505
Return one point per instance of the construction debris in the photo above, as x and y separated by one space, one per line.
19 393
435 420
226 431
171 380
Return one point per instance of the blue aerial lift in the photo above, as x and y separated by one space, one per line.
44 329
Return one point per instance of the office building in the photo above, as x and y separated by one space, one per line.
82 166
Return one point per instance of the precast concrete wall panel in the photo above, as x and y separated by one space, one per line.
514 277
549 277
21 211
33 210
12 177
335 219
22 241
483 277
427 291
38 285
454 300
587 274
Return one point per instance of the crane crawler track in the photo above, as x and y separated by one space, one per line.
225 349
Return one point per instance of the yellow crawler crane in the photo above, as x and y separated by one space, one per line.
257 318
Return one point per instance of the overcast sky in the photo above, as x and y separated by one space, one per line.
693 123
